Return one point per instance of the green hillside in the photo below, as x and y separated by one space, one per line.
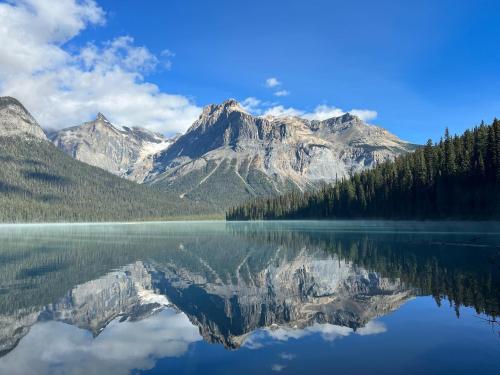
39 183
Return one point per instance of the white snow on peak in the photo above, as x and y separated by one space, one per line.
147 296
152 148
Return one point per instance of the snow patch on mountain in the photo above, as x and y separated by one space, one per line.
126 152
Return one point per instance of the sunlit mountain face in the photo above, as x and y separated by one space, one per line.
152 297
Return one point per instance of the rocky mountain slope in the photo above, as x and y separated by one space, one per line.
125 152
229 155
15 120
226 156
40 183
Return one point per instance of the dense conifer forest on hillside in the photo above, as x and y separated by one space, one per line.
459 177
39 183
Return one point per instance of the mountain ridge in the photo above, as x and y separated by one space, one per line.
457 178
259 156
123 151
41 183
227 156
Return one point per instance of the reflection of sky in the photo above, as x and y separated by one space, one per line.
327 332
58 348
418 335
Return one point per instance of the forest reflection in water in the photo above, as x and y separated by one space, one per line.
169 287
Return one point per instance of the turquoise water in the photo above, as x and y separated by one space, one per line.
214 297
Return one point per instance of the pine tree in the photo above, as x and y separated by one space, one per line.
455 178
449 154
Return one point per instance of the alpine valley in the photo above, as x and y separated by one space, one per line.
226 157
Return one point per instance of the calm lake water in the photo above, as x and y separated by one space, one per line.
250 298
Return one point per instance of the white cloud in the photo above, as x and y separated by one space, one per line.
119 349
33 30
272 82
278 367
372 328
287 356
119 53
167 53
364 114
63 87
321 112
328 332
281 111
282 93
167 58
251 104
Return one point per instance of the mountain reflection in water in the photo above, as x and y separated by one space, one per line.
114 298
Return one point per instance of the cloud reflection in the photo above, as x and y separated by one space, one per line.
57 348
328 332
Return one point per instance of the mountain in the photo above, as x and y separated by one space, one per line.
15 120
125 152
225 157
39 182
229 155
458 178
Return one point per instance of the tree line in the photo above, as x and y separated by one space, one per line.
458 177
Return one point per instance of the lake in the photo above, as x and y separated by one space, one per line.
346 297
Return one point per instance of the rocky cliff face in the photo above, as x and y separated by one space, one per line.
126 152
15 120
228 155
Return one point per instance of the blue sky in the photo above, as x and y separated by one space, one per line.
420 65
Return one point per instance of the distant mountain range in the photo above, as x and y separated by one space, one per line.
40 183
224 158
229 155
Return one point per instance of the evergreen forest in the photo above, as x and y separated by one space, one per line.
456 178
